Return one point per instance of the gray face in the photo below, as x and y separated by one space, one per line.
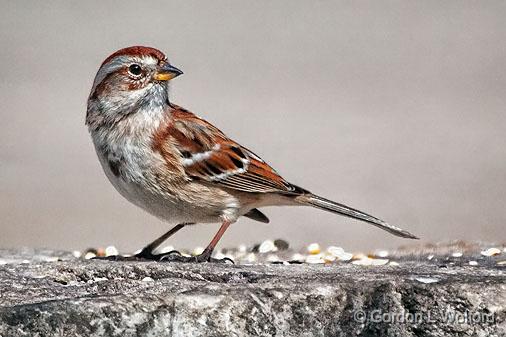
124 85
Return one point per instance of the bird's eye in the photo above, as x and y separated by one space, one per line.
135 69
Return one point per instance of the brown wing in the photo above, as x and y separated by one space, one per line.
207 154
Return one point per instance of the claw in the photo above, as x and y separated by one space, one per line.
206 257
226 260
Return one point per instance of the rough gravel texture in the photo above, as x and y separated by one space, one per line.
40 296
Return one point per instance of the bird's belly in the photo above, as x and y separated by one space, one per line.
164 205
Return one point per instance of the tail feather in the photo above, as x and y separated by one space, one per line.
334 207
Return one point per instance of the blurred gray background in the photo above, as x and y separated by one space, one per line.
393 107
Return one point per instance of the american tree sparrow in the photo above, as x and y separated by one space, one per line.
175 165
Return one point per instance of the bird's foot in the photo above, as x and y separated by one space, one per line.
175 256
145 255
172 256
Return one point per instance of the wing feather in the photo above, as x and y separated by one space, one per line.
208 154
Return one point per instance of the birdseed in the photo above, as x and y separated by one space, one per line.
313 249
382 253
315 259
491 252
267 246
111 251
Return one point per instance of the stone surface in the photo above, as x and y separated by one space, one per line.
45 293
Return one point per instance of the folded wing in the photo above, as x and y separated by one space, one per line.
207 154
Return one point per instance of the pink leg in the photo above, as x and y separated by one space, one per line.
206 255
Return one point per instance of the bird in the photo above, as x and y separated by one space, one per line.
177 166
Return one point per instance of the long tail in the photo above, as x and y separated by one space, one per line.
334 207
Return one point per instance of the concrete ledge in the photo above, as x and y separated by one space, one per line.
43 297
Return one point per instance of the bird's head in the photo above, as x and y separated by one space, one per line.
127 81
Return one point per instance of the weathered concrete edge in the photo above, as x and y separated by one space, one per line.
91 298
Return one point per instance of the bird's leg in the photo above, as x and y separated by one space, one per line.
147 252
206 254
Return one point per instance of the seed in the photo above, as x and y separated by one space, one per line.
491 252
382 253
298 257
101 252
365 261
315 258
345 256
281 244
111 251
314 249
379 262
77 254
336 251
267 246
359 256
273 258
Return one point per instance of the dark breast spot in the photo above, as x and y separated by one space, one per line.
114 166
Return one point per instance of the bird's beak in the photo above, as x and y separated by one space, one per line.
166 72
